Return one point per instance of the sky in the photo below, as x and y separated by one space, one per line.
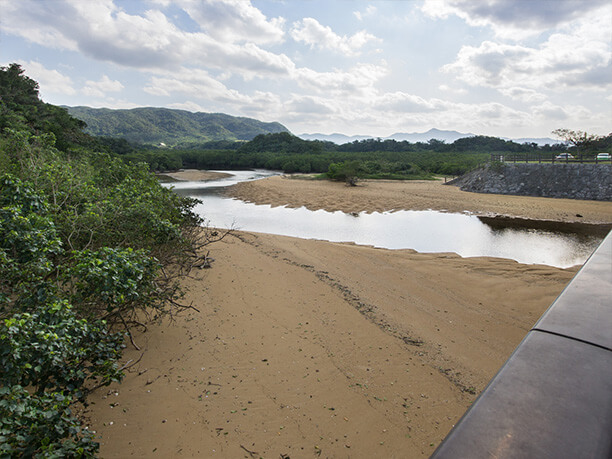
506 68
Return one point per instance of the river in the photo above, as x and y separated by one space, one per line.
423 231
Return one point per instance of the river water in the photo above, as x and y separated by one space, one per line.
423 231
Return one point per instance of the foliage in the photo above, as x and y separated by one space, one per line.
53 353
19 104
473 144
93 202
41 426
112 282
395 159
87 241
28 243
602 144
48 349
153 126
51 350
21 109
117 146
348 171
352 171
425 162
576 138
283 142
580 140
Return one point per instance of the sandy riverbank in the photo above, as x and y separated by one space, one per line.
195 175
380 196
308 348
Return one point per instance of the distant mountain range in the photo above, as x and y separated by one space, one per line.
438 134
154 126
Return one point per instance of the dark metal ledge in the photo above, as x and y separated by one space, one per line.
553 397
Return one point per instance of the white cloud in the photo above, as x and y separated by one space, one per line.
316 35
189 106
574 114
234 21
233 56
50 81
581 56
102 87
104 32
447 88
357 82
310 105
387 114
408 103
490 64
369 11
511 18
550 111
30 20
524 94
198 85
192 82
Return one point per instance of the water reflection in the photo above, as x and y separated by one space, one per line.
423 231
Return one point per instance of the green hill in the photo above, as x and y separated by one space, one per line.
153 126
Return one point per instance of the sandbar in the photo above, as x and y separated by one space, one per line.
196 175
388 195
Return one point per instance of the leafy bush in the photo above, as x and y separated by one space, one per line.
348 171
51 349
53 354
87 242
351 171
41 426
112 282
28 243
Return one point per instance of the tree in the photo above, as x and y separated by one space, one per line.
22 110
348 171
579 139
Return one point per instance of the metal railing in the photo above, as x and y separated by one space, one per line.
553 397
548 158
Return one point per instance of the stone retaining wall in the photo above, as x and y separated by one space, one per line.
572 181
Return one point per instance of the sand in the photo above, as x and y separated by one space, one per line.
307 348
380 196
195 175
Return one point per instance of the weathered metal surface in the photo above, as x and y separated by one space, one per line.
553 397
584 309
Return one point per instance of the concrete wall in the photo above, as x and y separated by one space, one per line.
572 181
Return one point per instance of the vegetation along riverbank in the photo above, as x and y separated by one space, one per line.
89 247
285 347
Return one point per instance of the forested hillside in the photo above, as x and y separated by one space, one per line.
152 126
90 246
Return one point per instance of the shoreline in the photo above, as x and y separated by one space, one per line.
304 345
196 175
388 196
307 348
